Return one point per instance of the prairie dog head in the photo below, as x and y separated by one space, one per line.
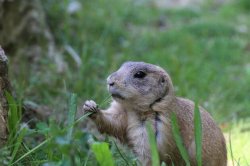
140 85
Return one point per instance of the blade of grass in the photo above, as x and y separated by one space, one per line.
107 99
231 148
198 134
16 134
18 144
71 119
102 153
82 117
71 115
31 151
153 145
178 139
87 159
238 162
13 117
124 158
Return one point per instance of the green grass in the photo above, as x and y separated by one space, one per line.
198 134
204 49
238 152
16 131
178 139
103 154
153 145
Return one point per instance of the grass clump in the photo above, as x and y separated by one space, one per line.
61 144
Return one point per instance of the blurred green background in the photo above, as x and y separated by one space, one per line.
205 47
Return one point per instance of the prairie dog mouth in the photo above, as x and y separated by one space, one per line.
115 93
117 96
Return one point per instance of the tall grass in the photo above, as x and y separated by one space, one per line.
178 139
238 144
59 143
14 117
16 131
153 145
197 136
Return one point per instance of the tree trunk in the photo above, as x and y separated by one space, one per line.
4 86
24 33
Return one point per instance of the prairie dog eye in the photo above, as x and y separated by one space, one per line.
139 74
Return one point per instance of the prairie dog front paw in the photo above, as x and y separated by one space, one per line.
90 106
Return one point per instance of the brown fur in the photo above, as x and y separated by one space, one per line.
152 99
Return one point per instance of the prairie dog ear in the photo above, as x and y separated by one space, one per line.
162 80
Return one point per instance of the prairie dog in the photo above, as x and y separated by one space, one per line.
144 92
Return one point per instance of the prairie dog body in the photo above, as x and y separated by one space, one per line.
144 92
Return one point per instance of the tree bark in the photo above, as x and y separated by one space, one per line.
25 35
4 86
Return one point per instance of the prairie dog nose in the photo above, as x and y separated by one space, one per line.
110 81
113 79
